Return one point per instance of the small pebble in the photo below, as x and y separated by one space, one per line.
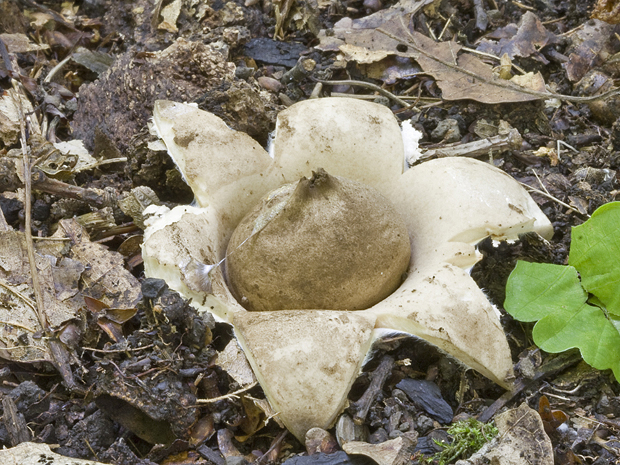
269 83
320 441
378 436
373 5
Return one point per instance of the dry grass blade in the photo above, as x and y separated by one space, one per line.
57 350
36 286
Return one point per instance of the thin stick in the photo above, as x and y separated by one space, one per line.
562 143
226 396
23 347
56 348
275 444
411 98
490 55
56 68
25 299
17 325
368 85
115 351
445 27
549 196
540 182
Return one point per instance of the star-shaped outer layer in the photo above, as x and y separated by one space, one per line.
307 360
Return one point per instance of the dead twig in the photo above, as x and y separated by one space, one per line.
57 68
117 351
368 85
232 395
276 443
42 183
23 298
549 196
360 408
510 141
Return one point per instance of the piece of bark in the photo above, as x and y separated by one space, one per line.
14 422
48 185
211 455
427 395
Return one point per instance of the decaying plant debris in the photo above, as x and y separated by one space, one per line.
101 364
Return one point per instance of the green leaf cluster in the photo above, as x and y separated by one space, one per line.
573 312
468 436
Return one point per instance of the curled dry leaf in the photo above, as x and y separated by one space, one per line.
306 360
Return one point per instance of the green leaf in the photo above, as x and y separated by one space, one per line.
553 295
595 253
534 290
573 313
586 328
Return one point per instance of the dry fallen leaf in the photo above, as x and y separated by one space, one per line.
524 40
170 13
304 14
590 46
10 103
20 328
465 76
30 452
105 277
459 75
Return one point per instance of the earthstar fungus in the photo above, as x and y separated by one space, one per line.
307 359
